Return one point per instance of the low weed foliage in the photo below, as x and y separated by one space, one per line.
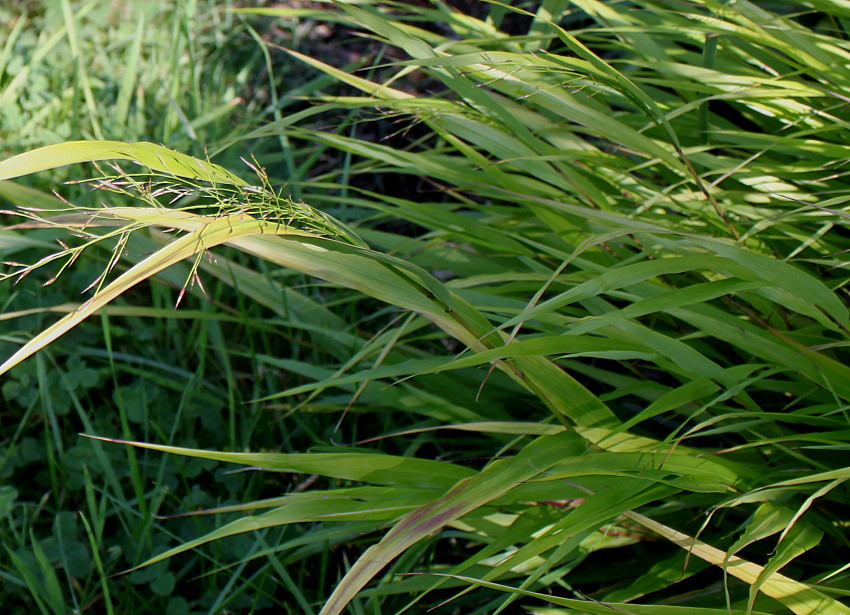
555 307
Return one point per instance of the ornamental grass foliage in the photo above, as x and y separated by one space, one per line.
526 307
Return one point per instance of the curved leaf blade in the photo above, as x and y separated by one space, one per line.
155 157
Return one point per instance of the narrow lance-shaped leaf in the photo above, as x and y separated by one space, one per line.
155 157
376 468
601 608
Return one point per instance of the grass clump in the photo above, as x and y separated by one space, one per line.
612 241
74 511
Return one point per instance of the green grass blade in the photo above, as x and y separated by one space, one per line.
153 156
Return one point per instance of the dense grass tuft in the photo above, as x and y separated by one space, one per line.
529 305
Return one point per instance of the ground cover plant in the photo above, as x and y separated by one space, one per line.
595 322
194 76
